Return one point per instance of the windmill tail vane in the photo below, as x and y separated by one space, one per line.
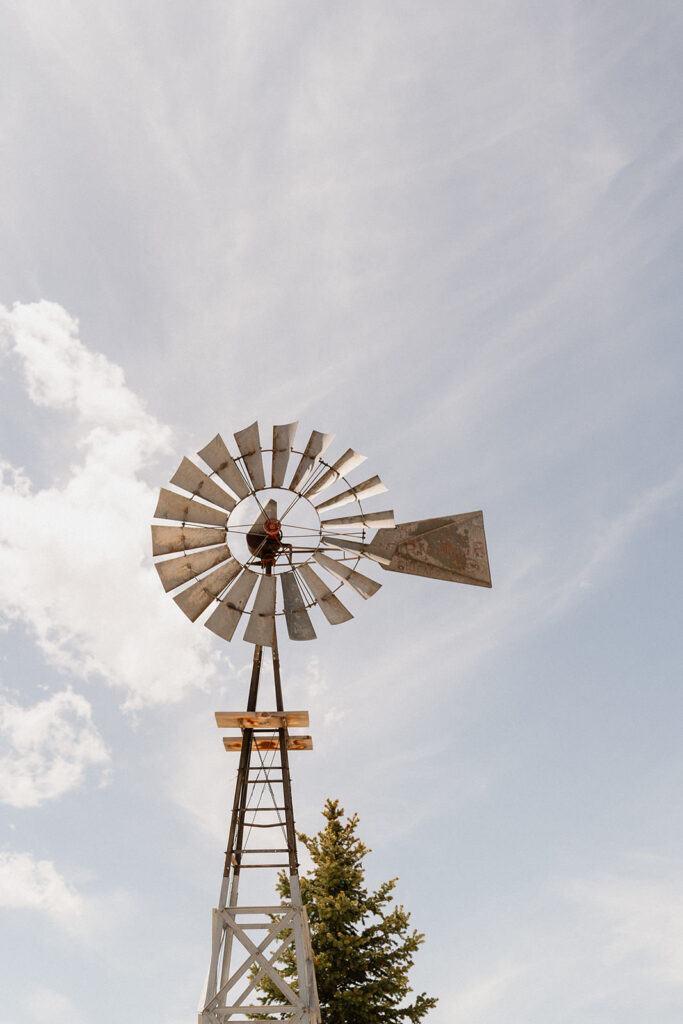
234 536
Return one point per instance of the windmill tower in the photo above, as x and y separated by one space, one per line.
234 538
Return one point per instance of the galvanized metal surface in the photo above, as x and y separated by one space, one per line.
317 445
191 478
176 571
185 510
197 598
366 489
356 546
216 455
362 585
224 620
448 548
330 605
249 444
167 539
261 626
299 625
283 440
374 520
342 467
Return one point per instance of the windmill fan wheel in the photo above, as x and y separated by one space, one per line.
236 534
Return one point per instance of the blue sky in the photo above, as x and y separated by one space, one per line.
451 234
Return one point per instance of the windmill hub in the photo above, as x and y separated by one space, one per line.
264 540
272 527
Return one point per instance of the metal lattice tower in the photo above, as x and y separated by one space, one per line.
233 531
232 978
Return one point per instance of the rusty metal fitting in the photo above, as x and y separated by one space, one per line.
272 527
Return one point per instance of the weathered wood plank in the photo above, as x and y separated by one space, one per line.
234 743
261 719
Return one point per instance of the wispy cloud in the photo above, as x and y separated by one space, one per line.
613 536
46 749
74 561
27 883
36 885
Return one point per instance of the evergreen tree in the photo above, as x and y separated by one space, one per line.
362 946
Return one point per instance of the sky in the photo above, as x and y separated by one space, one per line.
449 233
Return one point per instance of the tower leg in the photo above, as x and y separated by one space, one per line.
248 941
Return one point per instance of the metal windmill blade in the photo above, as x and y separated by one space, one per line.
224 619
348 462
362 585
216 455
368 489
317 445
185 510
283 439
261 626
355 547
330 605
374 520
197 598
168 539
249 445
173 572
299 625
192 479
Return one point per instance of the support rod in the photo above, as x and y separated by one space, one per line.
284 756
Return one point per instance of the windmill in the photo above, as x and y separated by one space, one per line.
235 537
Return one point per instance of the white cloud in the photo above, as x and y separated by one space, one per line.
37 885
45 750
29 884
61 373
74 556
